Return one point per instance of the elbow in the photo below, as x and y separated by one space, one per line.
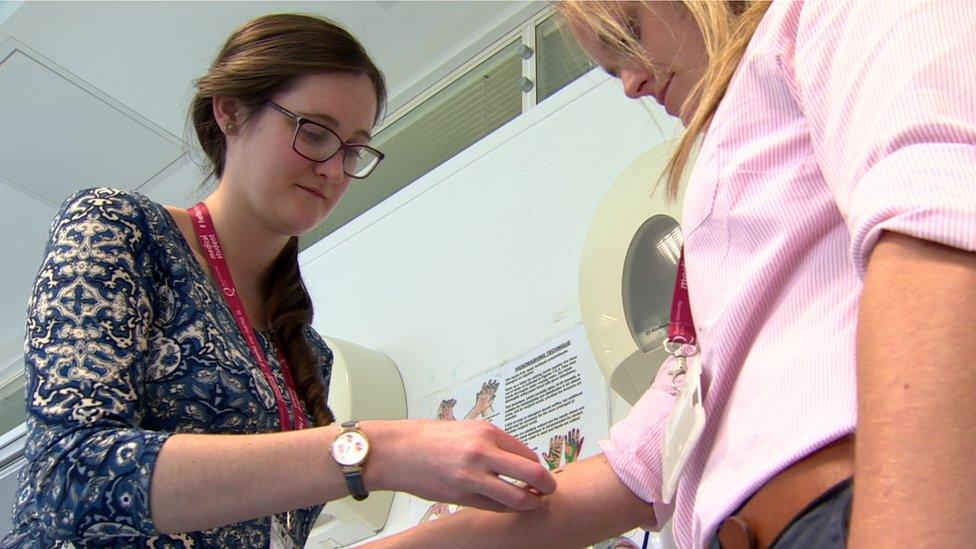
74 492
55 513
76 510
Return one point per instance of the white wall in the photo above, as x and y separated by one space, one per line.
477 262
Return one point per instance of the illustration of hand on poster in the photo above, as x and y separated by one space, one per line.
554 456
552 398
481 409
574 444
440 510
483 401
445 412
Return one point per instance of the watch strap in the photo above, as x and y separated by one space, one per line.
354 480
354 474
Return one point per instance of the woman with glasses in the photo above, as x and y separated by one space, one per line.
176 391
829 226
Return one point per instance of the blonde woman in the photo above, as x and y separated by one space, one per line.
830 231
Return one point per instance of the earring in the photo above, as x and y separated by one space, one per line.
231 128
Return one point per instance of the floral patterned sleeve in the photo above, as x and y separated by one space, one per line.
89 463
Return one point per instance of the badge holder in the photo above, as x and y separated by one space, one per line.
687 420
281 534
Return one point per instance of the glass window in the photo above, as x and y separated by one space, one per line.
12 407
559 60
453 119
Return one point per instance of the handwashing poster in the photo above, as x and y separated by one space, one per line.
552 398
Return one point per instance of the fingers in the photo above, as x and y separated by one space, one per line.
486 503
517 461
513 445
509 496
482 453
529 471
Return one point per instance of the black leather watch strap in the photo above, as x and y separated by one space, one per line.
354 480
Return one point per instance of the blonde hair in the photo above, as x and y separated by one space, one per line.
726 29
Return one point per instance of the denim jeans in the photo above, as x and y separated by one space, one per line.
823 524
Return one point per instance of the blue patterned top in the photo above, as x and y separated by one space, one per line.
128 342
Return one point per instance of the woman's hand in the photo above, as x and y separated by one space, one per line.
457 462
591 504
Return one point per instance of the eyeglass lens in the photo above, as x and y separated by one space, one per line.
319 143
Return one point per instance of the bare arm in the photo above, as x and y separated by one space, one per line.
590 504
916 385
204 481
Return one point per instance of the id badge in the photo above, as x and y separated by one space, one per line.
280 537
684 429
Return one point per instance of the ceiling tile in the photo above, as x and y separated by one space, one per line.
66 135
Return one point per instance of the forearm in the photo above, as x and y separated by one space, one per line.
916 381
590 504
205 481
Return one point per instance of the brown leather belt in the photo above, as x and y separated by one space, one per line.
760 521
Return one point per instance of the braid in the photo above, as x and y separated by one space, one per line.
290 314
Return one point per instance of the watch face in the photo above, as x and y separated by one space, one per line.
350 448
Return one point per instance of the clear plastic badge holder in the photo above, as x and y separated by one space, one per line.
281 534
687 418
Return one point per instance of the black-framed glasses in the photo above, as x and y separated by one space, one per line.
319 143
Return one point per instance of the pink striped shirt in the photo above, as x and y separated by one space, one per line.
844 119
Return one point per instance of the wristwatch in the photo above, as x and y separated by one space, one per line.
350 449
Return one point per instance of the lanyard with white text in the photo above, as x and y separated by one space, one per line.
682 338
207 236
687 421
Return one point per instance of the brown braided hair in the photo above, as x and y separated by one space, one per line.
261 58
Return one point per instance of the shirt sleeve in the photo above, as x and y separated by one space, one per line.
634 447
887 90
89 465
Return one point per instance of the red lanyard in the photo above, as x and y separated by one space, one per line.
681 330
207 236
